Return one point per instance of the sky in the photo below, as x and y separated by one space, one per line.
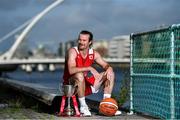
104 18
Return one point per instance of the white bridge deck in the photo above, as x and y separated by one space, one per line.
54 61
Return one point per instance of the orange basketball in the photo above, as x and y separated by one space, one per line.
108 106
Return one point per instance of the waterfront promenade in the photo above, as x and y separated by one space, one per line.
9 111
31 114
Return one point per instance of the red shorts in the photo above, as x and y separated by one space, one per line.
89 79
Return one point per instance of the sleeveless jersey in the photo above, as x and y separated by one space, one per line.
80 62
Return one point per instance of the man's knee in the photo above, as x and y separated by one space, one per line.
79 77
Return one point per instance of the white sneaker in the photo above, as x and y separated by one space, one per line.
85 111
118 113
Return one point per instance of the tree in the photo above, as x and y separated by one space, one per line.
102 51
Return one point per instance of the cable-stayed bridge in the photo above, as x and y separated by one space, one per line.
8 57
28 26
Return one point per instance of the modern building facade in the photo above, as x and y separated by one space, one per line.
119 47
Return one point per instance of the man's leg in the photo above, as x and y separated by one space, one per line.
108 86
80 82
98 81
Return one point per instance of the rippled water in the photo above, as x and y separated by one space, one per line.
52 79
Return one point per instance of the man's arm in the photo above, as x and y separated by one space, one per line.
71 59
108 69
100 61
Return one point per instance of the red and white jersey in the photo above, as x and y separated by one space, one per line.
80 62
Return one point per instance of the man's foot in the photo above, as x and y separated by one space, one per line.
85 111
118 113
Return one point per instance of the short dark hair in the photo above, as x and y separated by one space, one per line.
88 33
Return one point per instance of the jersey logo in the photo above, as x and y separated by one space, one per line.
91 57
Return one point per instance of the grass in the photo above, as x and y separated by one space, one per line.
21 106
16 99
123 95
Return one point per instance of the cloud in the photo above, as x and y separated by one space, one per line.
105 18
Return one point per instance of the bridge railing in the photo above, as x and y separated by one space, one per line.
155 72
47 63
55 61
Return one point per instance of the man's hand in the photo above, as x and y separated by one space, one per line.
108 76
109 73
106 82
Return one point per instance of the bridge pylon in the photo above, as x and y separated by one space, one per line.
9 54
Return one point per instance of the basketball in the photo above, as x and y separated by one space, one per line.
108 107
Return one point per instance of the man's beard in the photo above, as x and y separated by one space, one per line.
81 47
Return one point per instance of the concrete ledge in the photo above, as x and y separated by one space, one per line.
40 92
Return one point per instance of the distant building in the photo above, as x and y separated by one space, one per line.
119 47
42 52
70 44
64 46
61 49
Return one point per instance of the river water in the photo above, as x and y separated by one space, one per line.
53 79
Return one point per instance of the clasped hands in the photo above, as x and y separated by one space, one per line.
107 76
